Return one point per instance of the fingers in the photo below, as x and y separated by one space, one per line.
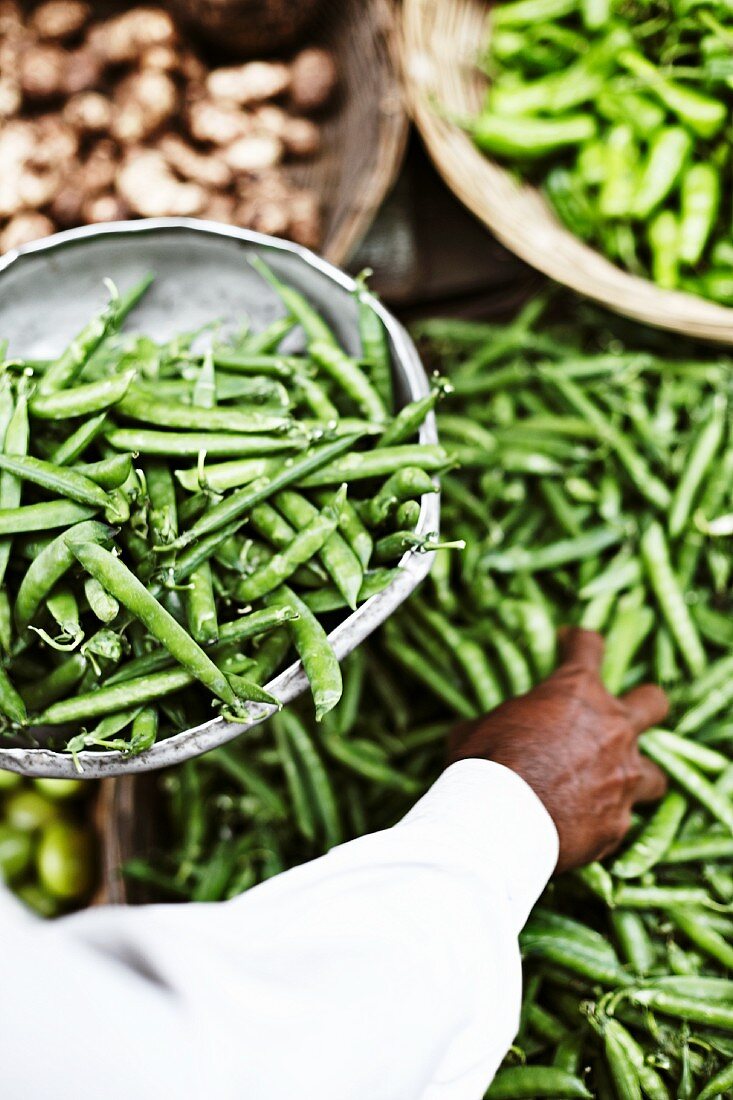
651 784
582 648
646 706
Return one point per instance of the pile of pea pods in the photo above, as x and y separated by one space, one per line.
591 482
620 110
172 518
47 848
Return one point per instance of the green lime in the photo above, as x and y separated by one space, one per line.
16 849
9 780
59 789
37 900
29 810
64 861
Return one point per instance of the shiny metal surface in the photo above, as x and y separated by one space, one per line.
49 288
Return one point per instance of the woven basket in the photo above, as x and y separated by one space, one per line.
365 135
439 45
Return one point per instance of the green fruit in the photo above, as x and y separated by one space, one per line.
64 861
9 780
16 849
37 900
29 810
59 789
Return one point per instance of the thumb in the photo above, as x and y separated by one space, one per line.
582 648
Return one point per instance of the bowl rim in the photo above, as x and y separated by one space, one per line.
355 627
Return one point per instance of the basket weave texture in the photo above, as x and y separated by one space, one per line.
365 133
439 45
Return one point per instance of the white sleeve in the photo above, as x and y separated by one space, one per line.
388 968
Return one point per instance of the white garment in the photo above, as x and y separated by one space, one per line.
386 970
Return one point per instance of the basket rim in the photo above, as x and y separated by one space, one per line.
355 627
489 191
393 132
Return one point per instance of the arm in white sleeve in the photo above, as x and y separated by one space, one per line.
387 969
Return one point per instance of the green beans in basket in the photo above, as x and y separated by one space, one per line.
151 503
628 527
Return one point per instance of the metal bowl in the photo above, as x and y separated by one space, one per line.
49 289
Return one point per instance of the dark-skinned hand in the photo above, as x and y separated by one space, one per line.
576 747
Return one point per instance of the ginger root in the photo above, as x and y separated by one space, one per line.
252 82
313 79
146 183
24 227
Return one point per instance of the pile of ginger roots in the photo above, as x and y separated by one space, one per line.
103 119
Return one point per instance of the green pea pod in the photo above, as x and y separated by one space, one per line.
664 584
525 13
74 445
530 138
706 939
633 940
631 624
349 375
171 414
404 484
530 1082
297 305
6 622
337 557
684 1008
631 1062
619 105
700 201
48 567
617 190
655 840
184 444
375 345
93 397
329 598
409 419
69 364
101 603
110 473
306 544
314 650
536 559
201 606
668 150
623 1073
314 776
412 662
567 194
117 579
163 515
663 234
381 462
303 809
700 113
238 503
11 703
56 685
